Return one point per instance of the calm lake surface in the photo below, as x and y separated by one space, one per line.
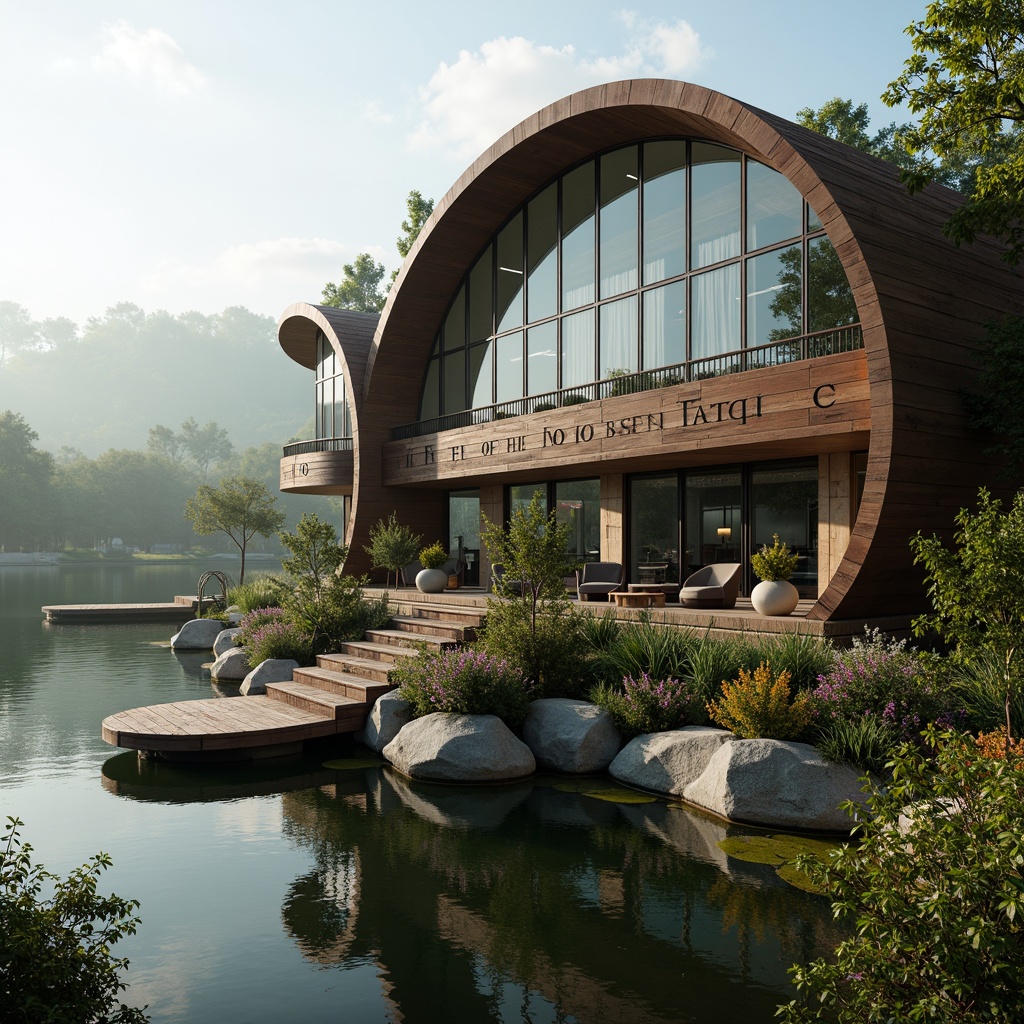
286 891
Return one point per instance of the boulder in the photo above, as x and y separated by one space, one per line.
571 736
197 635
225 641
232 664
667 762
460 748
387 716
273 670
778 785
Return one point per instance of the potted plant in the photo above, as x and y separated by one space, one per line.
431 579
774 595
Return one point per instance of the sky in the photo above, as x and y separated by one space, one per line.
201 154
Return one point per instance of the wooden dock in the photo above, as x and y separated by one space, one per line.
322 701
180 610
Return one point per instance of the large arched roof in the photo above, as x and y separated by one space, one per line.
921 301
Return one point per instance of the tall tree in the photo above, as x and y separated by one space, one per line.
17 330
419 209
26 486
965 80
239 507
205 445
360 286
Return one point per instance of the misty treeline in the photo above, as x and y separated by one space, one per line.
54 501
107 429
106 383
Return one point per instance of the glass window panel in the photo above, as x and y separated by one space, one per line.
774 296
481 321
713 501
784 499
510 275
654 529
464 531
715 204
430 402
664 216
455 381
542 359
619 336
774 207
480 392
578 349
508 357
617 228
342 427
324 399
813 220
520 496
578 237
829 298
455 323
578 503
542 256
665 326
715 313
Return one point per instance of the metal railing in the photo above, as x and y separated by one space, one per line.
777 353
320 444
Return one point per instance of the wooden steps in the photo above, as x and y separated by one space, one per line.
328 699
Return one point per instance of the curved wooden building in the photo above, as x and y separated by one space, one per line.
691 324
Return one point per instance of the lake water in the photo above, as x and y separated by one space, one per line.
287 891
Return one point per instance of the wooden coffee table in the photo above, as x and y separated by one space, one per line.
638 598
655 590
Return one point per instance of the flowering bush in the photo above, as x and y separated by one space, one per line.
993 746
464 681
647 705
756 706
886 680
278 638
254 619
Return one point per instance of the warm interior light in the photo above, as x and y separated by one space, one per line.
724 532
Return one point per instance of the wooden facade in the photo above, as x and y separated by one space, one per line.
921 303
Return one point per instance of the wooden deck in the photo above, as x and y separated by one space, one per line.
318 702
180 610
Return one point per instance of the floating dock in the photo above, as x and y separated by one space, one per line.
180 610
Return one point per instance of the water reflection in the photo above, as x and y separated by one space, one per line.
525 896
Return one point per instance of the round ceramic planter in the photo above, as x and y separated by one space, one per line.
773 597
431 581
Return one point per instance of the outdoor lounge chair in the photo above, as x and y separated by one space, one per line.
714 586
598 579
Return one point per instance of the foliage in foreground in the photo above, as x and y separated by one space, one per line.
936 898
464 681
56 964
392 546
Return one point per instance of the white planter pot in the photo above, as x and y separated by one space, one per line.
774 597
431 581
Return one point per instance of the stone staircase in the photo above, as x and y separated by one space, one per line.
343 686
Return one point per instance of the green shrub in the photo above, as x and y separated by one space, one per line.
433 556
392 546
757 706
804 657
600 631
774 563
864 743
647 704
710 662
643 648
254 620
56 963
978 685
549 649
935 898
464 681
266 591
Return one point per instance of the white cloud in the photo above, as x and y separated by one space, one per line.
150 54
472 102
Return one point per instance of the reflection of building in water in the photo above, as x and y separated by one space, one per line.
688 323
472 897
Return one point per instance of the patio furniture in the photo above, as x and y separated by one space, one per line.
714 586
598 579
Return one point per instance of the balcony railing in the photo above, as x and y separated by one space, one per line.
320 444
792 350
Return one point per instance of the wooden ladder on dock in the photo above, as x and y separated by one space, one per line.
333 697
